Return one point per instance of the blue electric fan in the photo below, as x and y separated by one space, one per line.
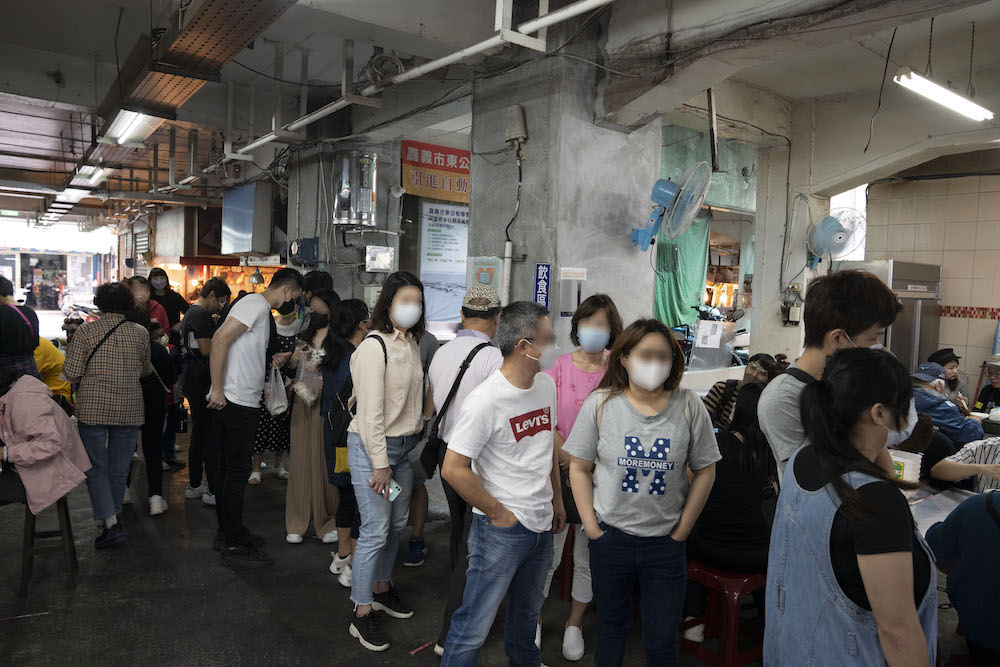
835 235
676 205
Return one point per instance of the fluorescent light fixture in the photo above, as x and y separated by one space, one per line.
187 179
85 170
100 175
61 204
126 125
8 213
907 78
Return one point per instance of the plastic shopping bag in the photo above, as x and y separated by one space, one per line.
308 381
275 400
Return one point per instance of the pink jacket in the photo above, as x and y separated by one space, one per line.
41 443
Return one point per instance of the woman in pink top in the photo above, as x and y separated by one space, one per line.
596 324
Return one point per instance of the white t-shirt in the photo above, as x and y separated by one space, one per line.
245 368
507 432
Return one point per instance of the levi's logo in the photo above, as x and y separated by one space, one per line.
530 424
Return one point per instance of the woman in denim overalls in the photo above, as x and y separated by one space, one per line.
844 551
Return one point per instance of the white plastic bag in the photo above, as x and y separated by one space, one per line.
275 400
308 380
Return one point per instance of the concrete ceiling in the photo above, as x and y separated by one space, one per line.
857 65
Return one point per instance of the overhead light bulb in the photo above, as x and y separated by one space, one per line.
85 170
129 122
907 78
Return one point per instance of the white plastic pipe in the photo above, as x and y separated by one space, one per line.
508 256
560 15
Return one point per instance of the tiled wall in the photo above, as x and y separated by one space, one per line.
954 223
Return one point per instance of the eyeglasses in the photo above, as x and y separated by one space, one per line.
755 367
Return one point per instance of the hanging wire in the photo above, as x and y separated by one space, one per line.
972 50
871 123
929 71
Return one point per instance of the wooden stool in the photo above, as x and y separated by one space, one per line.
729 586
68 548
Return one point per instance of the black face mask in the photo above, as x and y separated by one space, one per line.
288 307
318 321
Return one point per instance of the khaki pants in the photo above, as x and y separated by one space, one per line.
310 494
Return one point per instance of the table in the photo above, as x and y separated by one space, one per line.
928 507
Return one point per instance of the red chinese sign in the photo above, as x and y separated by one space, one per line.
436 171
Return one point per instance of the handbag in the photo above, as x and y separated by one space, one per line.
435 445
275 399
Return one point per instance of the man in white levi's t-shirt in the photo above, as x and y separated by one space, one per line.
502 461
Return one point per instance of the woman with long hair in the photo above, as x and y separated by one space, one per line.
850 579
722 397
309 493
734 529
350 322
632 445
389 395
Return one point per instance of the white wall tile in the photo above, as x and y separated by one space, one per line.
900 255
900 237
928 237
981 333
985 293
881 191
878 212
925 188
962 208
987 184
989 206
957 264
902 211
988 236
934 257
960 236
954 332
956 292
933 209
964 185
873 255
876 238
986 265
974 358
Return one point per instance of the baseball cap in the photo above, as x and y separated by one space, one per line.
929 372
481 298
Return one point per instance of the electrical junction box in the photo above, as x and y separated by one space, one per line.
372 293
304 251
379 259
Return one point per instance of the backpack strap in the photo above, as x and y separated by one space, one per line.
801 375
385 351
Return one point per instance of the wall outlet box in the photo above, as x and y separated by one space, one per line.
304 251
372 293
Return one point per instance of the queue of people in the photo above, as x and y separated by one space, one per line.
786 472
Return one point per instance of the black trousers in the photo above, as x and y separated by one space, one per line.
458 553
235 427
152 440
752 560
983 656
202 441
348 515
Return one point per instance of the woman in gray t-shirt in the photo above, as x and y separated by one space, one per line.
631 446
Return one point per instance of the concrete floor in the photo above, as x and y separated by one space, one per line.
163 599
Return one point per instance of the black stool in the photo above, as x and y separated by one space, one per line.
68 548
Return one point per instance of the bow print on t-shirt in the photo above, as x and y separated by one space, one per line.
637 458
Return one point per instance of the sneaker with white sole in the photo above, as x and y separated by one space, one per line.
342 568
281 473
164 466
292 538
157 505
254 479
194 493
390 603
331 538
367 631
438 650
208 498
346 577
538 636
573 646
127 498
695 633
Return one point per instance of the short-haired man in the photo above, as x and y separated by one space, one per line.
504 431
480 316
929 399
238 364
843 310
197 328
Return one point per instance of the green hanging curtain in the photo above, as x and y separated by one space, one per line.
677 288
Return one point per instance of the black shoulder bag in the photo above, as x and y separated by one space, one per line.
435 445
94 351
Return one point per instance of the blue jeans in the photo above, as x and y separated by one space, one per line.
503 562
381 520
110 449
659 563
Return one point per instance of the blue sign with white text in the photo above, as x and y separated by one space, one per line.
543 280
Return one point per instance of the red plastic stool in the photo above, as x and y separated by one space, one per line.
725 588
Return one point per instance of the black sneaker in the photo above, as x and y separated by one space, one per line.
367 631
110 537
390 603
243 557
175 463
250 539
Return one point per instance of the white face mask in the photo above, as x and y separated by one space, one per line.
876 346
547 357
895 438
163 340
593 340
406 314
650 375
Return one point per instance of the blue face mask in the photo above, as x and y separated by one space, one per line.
593 340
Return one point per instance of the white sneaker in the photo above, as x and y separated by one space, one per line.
338 564
538 636
292 538
263 466
192 493
696 633
438 650
157 505
135 456
254 479
345 578
127 500
331 537
573 646
164 466
208 498
281 473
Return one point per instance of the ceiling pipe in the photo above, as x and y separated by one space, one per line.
503 36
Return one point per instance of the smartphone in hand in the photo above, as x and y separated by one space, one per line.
394 488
